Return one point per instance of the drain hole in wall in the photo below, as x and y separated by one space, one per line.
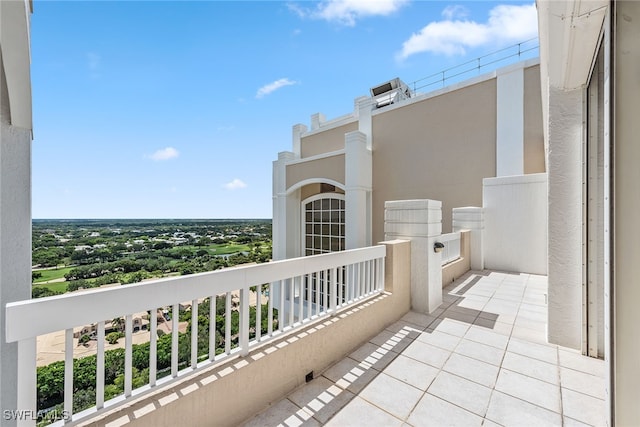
308 377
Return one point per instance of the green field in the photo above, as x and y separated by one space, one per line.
216 249
58 286
226 249
52 274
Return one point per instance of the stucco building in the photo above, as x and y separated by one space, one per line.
438 145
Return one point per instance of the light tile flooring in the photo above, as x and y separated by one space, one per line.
480 359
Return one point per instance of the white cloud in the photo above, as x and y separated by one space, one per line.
506 24
455 11
347 12
273 86
236 184
165 154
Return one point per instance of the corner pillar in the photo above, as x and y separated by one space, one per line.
280 205
421 222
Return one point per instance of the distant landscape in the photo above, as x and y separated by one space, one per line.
72 255
78 254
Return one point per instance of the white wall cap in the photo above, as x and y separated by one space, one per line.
411 231
286 155
413 216
515 179
468 209
355 137
413 204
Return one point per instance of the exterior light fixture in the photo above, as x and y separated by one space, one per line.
437 247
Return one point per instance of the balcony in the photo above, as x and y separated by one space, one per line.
480 359
352 353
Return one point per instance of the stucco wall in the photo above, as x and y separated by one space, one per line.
328 167
439 149
229 394
326 140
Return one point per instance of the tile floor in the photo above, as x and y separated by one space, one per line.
480 359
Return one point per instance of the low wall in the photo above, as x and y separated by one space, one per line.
457 268
515 223
230 393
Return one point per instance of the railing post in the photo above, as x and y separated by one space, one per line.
244 321
26 386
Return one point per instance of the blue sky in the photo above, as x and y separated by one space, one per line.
148 109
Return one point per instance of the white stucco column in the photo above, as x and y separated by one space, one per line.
279 224
472 219
317 120
510 123
358 170
565 217
15 204
296 134
364 106
421 222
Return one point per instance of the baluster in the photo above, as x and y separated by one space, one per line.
194 334
175 314
259 313
153 347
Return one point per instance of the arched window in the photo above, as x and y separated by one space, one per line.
322 232
323 224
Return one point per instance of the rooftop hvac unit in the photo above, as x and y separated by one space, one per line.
390 92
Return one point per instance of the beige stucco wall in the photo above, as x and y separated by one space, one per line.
327 167
325 141
229 394
533 126
455 269
438 149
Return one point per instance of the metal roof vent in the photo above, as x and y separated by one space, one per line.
390 92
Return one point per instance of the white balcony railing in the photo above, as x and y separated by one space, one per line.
299 290
451 250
